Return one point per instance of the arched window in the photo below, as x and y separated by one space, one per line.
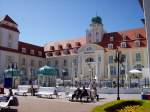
89 59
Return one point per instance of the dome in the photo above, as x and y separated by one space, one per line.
97 20
47 71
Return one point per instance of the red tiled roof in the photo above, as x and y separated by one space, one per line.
28 48
73 43
31 47
130 38
117 39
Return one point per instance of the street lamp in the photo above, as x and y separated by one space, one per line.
63 74
119 59
11 68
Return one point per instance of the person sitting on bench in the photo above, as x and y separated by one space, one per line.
84 93
76 94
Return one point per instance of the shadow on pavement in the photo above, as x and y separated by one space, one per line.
9 110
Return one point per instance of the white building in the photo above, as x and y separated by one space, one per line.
92 57
80 60
26 57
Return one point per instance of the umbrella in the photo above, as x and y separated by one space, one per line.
11 71
48 71
135 71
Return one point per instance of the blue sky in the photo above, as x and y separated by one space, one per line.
42 21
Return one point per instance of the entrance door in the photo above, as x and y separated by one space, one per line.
8 83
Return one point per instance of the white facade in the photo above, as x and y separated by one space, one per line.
146 6
10 53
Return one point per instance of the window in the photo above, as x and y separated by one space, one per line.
110 46
32 62
75 61
124 37
65 62
137 43
138 57
68 45
111 59
137 35
123 45
112 70
40 63
8 60
97 40
49 54
23 61
99 59
89 49
111 39
10 40
52 48
66 51
32 52
23 50
57 53
89 59
56 62
40 53
49 63
97 34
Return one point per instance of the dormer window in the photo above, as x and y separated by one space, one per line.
23 50
52 48
57 53
123 45
40 53
124 37
77 44
32 52
60 47
110 46
137 35
111 39
137 43
49 54
68 45
66 52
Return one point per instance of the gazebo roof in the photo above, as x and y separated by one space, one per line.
10 71
47 71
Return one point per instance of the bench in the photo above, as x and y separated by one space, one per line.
22 90
47 92
88 98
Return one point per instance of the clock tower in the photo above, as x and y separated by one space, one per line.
94 33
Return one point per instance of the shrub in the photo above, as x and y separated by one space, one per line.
122 105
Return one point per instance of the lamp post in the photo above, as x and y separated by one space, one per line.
63 73
12 67
118 59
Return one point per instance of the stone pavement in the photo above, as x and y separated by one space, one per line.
34 104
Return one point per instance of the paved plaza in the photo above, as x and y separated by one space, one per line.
34 104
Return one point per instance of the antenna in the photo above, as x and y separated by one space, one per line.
96 13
